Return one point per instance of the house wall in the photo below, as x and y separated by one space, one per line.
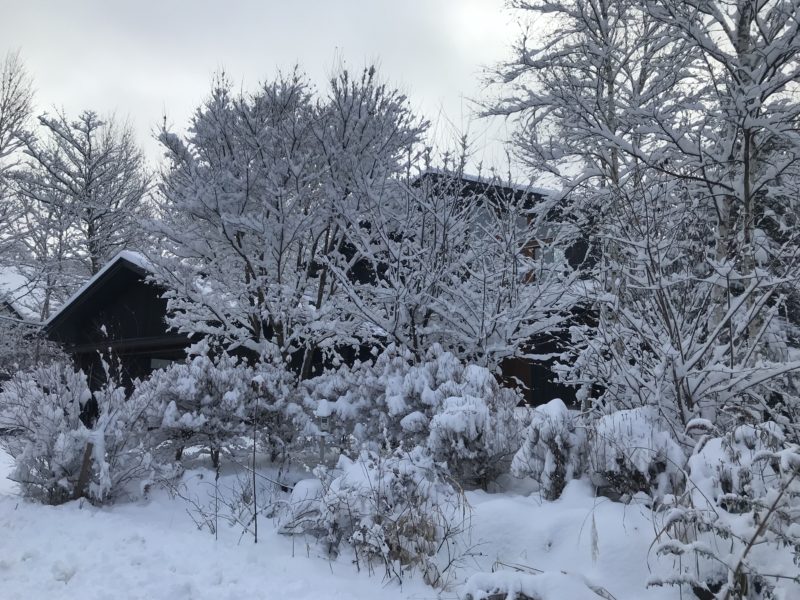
121 318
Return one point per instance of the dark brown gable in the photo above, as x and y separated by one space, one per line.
118 314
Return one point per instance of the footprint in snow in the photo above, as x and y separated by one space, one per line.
62 571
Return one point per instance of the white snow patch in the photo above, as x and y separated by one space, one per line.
20 292
152 550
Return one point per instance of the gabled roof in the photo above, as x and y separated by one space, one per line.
487 182
124 260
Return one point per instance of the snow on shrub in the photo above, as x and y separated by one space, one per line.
475 432
213 400
362 402
631 451
548 585
58 457
734 531
279 418
730 471
396 511
459 411
554 449
203 401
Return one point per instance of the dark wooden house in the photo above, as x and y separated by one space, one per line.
117 314
536 379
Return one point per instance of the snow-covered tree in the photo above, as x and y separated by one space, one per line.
251 205
672 125
46 250
301 226
90 170
677 148
16 102
456 261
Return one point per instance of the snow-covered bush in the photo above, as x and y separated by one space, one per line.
547 585
554 449
458 411
734 533
58 457
396 511
42 409
278 417
362 405
476 431
204 401
23 347
212 400
632 451
732 471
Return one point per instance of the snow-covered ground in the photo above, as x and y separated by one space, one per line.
536 535
151 549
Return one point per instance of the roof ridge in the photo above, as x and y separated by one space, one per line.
131 256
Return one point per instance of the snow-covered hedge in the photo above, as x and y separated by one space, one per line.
554 449
395 511
458 411
58 457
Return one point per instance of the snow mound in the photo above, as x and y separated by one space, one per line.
545 586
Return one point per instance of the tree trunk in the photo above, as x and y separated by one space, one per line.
86 471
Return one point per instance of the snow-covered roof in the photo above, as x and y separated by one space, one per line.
492 181
20 293
135 258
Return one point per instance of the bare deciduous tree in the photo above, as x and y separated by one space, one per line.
96 170
16 101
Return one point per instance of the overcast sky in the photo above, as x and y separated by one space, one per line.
147 58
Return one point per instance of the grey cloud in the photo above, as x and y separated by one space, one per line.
146 57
